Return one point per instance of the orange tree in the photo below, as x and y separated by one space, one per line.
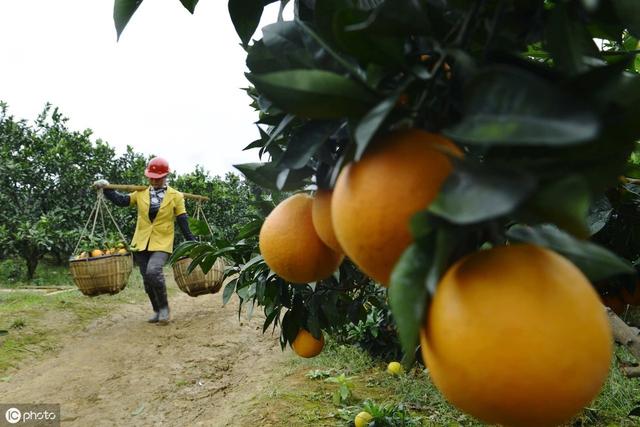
541 95
46 172
444 128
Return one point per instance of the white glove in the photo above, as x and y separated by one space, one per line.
101 183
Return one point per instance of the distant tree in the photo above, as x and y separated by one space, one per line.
230 198
45 179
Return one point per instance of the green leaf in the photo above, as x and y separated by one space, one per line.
370 123
262 60
228 291
306 141
284 123
245 15
476 192
250 229
365 46
290 326
314 94
408 296
285 39
565 203
266 175
509 106
599 215
408 18
269 319
569 41
123 10
190 5
182 250
596 262
415 277
313 323
199 227
629 13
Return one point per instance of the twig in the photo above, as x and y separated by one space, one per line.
625 334
631 371
620 52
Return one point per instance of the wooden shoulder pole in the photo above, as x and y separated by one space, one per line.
128 187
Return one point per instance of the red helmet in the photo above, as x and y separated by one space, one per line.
157 168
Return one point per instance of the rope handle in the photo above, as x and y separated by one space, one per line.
200 212
96 211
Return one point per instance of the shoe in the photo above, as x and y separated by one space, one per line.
163 316
154 318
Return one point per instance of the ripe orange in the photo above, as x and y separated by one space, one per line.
290 245
516 335
362 419
96 253
122 251
305 345
321 216
375 198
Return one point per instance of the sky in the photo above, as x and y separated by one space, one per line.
170 87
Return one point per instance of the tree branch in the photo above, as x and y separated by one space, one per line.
625 334
631 371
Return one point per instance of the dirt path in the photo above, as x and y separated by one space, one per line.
205 368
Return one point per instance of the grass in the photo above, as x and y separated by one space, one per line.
305 394
13 274
36 322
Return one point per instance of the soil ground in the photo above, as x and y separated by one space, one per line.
207 367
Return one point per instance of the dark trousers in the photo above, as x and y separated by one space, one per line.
151 264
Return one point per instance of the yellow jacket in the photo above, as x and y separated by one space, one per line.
157 235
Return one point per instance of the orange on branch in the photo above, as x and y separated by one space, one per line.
321 216
516 335
290 244
305 345
375 198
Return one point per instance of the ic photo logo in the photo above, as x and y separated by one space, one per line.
13 415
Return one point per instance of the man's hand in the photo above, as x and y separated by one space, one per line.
101 183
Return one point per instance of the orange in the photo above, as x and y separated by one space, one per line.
122 251
305 345
362 419
375 198
516 335
290 245
96 253
321 216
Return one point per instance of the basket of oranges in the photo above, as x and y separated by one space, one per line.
98 271
101 263
197 282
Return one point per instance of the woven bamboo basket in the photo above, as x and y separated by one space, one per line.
101 275
197 283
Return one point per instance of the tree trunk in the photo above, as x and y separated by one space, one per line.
31 260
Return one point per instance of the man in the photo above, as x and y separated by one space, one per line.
158 207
